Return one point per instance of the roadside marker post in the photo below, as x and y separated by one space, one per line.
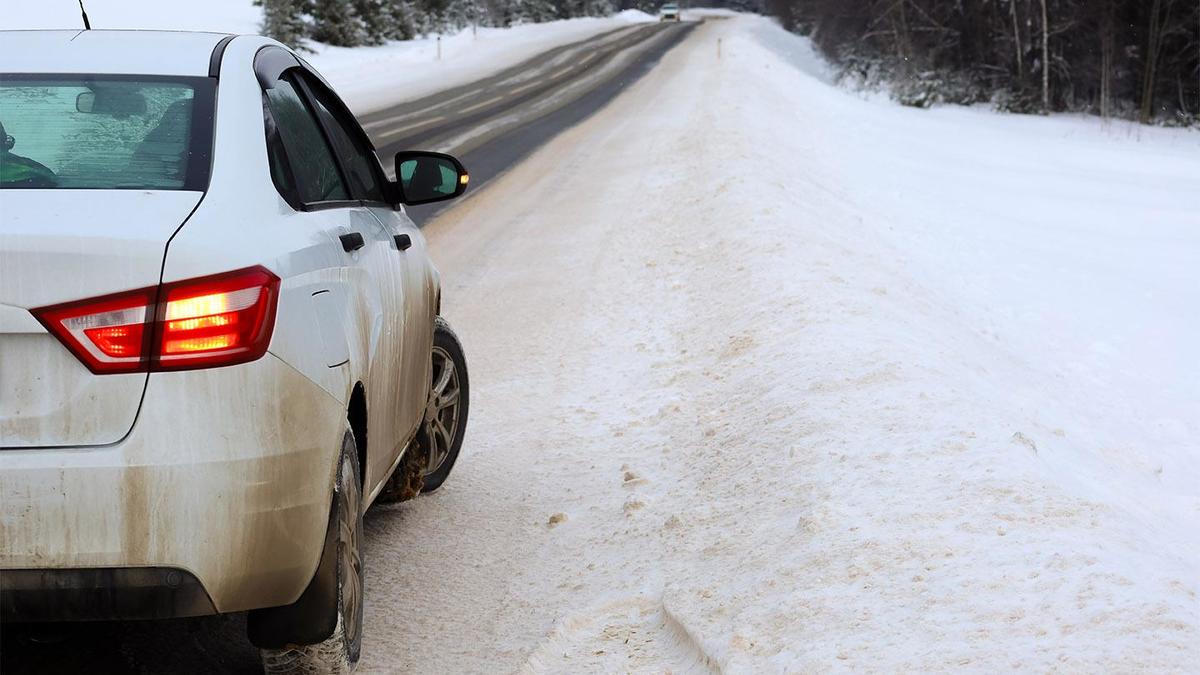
439 44
718 49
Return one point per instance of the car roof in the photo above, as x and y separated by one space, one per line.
140 52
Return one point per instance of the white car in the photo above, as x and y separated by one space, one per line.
219 337
669 12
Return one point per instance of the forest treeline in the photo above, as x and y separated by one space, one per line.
1129 58
352 23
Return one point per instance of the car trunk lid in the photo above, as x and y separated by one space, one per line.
61 246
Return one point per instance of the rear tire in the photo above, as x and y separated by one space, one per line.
338 653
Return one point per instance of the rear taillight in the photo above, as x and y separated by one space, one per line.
199 323
108 334
215 321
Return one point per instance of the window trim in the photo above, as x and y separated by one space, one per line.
293 197
272 64
218 56
302 91
333 204
341 113
198 168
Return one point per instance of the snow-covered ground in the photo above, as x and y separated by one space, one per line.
368 78
767 377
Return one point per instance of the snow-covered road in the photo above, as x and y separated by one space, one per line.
768 377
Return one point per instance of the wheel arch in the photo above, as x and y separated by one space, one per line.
356 415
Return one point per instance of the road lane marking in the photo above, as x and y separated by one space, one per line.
517 90
573 76
388 121
477 106
581 54
409 127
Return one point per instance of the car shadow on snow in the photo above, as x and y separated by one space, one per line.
203 645
214 644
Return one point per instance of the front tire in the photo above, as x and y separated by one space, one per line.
338 653
435 449
445 423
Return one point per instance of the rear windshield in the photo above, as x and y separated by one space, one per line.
105 132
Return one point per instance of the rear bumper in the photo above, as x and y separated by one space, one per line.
90 594
226 478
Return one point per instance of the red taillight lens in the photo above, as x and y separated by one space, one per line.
107 334
216 321
199 323
117 341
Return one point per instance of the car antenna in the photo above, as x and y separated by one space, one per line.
87 25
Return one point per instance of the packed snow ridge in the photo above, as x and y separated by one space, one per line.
771 378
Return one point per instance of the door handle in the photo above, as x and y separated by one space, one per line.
352 241
403 242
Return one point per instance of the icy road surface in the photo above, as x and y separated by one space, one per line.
769 377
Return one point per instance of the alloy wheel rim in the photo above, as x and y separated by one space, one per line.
441 411
348 536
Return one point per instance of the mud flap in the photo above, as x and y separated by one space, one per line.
313 617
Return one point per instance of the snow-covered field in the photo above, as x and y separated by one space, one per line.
366 77
767 377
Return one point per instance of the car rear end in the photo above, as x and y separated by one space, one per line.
155 458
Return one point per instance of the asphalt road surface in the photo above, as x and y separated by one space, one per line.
490 124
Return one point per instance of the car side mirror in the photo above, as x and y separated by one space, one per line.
426 177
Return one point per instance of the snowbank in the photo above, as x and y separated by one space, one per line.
819 384
981 355
367 77
634 16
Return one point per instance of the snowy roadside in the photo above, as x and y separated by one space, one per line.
991 395
819 384
367 78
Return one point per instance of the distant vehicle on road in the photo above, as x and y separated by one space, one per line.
220 336
669 12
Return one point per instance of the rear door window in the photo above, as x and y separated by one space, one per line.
310 161
362 169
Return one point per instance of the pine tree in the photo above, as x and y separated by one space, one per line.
538 11
599 7
403 20
508 13
462 13
1131 58
283 21
375 19
336 23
